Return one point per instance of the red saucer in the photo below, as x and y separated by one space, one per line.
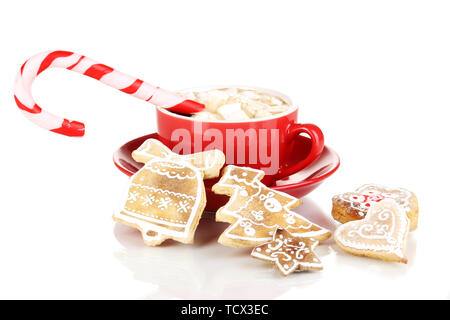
298 185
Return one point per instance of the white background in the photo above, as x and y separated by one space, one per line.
374 75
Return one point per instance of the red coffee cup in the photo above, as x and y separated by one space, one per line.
263 143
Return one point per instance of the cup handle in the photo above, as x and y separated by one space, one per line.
317 144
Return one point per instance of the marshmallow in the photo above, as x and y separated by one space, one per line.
232 112
251 107
189 95
278 109
234 104
251 95
275 101
206 115
262 113
215 99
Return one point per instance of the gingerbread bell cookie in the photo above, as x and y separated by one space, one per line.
381 234
166 197
351 206
255 211
289 253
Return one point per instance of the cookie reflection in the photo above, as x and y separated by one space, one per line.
205 269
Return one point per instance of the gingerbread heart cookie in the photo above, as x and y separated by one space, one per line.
166 197
289 253
255 211
381 234
351 206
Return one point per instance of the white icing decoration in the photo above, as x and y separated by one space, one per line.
258 215
289 217
278 245
273 205
243 193
148 200
162 191
168 173
164 203
369 194
281 255
183 206
132 196
248 229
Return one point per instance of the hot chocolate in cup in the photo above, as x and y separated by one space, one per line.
263 143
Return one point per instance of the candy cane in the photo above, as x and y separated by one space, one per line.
81 64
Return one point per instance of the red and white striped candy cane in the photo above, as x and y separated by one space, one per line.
81 64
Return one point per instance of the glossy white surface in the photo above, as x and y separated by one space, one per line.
374 77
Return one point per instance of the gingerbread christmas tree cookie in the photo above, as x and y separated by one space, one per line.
350 206
255 211
289 253
166 197
381 234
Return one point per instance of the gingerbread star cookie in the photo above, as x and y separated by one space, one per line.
255 211
351 206
381 234
289 253
166 197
